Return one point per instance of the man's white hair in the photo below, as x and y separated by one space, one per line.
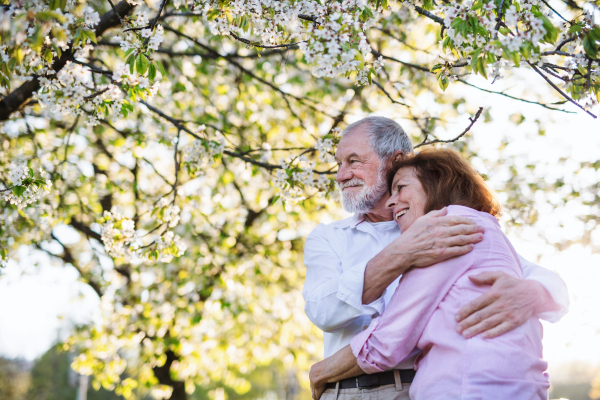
386 136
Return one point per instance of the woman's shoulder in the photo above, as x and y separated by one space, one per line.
479 216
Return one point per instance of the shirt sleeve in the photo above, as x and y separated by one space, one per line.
392 337
332 295
553 284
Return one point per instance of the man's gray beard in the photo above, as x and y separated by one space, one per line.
368 197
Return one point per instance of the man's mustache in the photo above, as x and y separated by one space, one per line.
352 182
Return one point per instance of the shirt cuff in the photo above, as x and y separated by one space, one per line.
558 294
350 290
360 349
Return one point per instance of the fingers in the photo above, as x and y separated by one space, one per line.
483 326
463 229
436 213
462 240
451 220
479 322
487 278
479 303
455 251
500 329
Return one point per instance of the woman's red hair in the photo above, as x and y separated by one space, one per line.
448 179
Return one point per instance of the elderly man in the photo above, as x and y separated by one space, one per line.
353 265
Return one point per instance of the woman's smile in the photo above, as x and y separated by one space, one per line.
408 198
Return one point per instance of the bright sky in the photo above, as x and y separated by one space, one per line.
40 302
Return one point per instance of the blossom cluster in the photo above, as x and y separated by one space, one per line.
203 152
326 145
34 35
295 176
119 235
25 189
167 212
121 239
492 40
334 36
141 40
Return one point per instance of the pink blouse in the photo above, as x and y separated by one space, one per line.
421 313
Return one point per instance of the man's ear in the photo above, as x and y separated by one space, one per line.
398 156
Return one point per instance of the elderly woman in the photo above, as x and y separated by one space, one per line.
421 311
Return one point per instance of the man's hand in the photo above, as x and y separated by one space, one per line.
505 306
436 237
316 385
432 238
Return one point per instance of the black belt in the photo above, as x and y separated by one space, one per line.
374 380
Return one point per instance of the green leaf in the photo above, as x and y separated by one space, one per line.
456 23
46 15
504 31
141 64
575 28
516 58
48 55
19 190
130 62
212 14
151 71
443 81
474 59
161 68
551 32
595 33
481 62
244 24
57 50
590 47
91 35
526 51
436 67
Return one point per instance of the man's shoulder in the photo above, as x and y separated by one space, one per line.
329 228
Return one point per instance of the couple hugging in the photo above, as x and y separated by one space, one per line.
419 294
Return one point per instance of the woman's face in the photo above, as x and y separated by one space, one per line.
408 198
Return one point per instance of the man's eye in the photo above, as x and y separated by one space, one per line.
400 188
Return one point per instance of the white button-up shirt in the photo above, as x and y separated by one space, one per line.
336 256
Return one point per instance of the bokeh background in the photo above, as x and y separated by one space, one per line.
43 300
250 337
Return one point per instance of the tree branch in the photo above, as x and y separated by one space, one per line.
15 100
566 96
473 120
515 98
179 125
253 44
415 66
429 15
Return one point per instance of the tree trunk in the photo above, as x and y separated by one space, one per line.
163 374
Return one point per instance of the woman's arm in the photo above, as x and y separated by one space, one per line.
392 337
339 366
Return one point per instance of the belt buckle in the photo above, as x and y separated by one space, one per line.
367 381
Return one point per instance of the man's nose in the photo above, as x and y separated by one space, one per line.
343 174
